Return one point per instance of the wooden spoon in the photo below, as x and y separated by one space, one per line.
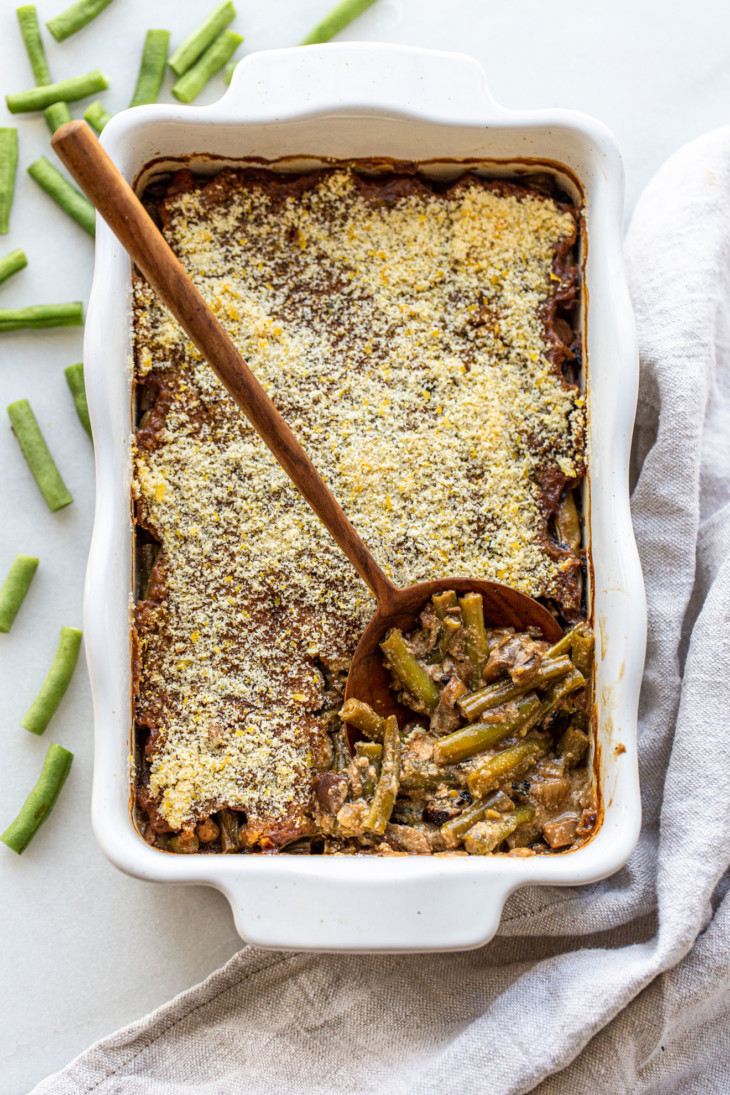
136 231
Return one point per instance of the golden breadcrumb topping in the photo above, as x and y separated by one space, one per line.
401 332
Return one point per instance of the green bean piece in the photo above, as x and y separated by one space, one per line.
424 777
75 379
367 784
15 587
230 68
335 21
145 556
8 167
567 521
31 32
230 835
97 116
39 460
572 745
184 843
453 831
198 41
74 18
42 315
442 602
386 790
57 114
563 645
373 750
66 196
373 753
562 688
508 764
56 682
340 753
583 644
475 635
11 263
363 718
494 695
487 835
41 799
66 91
151 67
449 627
478 736
414 678
189 86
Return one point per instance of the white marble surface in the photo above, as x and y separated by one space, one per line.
86 949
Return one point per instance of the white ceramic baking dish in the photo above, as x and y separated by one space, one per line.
348 102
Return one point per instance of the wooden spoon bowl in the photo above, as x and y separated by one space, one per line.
369 680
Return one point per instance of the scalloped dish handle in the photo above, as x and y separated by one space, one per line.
436 85
326 910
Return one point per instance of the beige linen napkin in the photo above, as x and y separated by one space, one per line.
617 987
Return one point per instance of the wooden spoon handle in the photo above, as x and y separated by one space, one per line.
124 213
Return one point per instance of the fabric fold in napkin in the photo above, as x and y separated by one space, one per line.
622 986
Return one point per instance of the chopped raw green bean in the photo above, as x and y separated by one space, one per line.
475 635
508 764
230 69
414 678
31 32
453 831
336 20
189 86
151 68
75 379
198 41
38 456
66 196
97 115
8 167
41 799
386 790
493 695
478 736
42 315
57 114
74 18
363 718
11 263
66 91
57 681
14 589
487 835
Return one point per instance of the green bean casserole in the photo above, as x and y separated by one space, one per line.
421 338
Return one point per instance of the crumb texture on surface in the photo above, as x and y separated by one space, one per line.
401 331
